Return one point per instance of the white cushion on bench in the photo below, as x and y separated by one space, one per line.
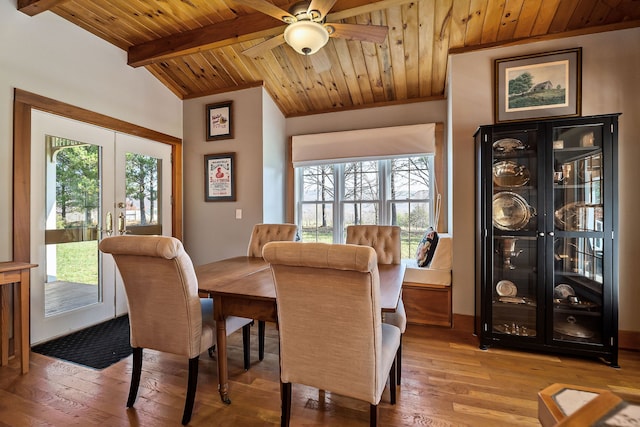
439 271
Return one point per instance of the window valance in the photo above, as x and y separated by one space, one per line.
363 144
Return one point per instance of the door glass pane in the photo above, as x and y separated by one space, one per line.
578 298
515 207
72 199
142 209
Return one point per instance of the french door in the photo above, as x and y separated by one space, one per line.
88 182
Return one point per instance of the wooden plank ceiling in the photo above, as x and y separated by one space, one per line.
195 47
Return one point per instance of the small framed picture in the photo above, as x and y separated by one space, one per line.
538 86
219 121
219 177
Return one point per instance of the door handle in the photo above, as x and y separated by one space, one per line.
121 226
109 224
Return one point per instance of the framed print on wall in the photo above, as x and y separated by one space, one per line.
219 177
538 86
219 121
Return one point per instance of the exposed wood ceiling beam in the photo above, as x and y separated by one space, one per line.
34 7
247 27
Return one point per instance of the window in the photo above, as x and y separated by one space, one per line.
395 191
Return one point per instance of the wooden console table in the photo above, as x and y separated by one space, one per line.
15 273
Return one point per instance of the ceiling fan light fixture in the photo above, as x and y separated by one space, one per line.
306 37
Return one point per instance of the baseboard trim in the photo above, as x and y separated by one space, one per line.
627 340
463 323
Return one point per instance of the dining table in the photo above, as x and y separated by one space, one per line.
243 286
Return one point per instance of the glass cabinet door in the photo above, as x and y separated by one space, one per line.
578 219
514 214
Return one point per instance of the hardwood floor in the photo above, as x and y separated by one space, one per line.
446 381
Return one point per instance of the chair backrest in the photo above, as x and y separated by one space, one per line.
162 292
385 239
265 233
329 318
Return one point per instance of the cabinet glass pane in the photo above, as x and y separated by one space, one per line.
578 175
514 172
578 214
578 289
514 218
515 285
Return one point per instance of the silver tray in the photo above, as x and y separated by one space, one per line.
510 174
511 212
577 216
507 145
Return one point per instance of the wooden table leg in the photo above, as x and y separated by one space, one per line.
21 320
223 374
4 324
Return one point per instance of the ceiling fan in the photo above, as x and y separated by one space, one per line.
307 30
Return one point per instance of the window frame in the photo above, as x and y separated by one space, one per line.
384 202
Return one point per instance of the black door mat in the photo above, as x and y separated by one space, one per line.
97 347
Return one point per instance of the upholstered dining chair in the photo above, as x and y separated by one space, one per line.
165 311
385 239
261 235
329 319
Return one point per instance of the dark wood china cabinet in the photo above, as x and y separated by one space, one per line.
546 256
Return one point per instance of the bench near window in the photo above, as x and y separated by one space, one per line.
426 291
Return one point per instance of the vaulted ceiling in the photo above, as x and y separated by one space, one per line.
194 47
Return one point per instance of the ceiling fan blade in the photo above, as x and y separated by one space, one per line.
322 6
268 9
369 33
266 45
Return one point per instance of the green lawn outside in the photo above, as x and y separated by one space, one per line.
78 262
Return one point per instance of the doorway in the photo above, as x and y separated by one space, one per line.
88 182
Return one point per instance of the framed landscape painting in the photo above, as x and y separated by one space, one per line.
538 86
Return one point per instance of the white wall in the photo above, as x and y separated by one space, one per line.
50 57
610 75
274 161
211 229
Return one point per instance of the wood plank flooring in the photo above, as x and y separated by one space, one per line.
446 381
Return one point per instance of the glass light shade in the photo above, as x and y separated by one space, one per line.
306 37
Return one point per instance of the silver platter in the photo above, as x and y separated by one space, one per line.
511 212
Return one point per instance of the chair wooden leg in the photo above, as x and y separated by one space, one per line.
135 376
191 390
246 345
373 415
399 361
285 396
392 381
261 328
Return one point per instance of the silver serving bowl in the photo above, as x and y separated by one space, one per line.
508 173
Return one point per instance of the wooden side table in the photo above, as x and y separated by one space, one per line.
563 405
16 273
